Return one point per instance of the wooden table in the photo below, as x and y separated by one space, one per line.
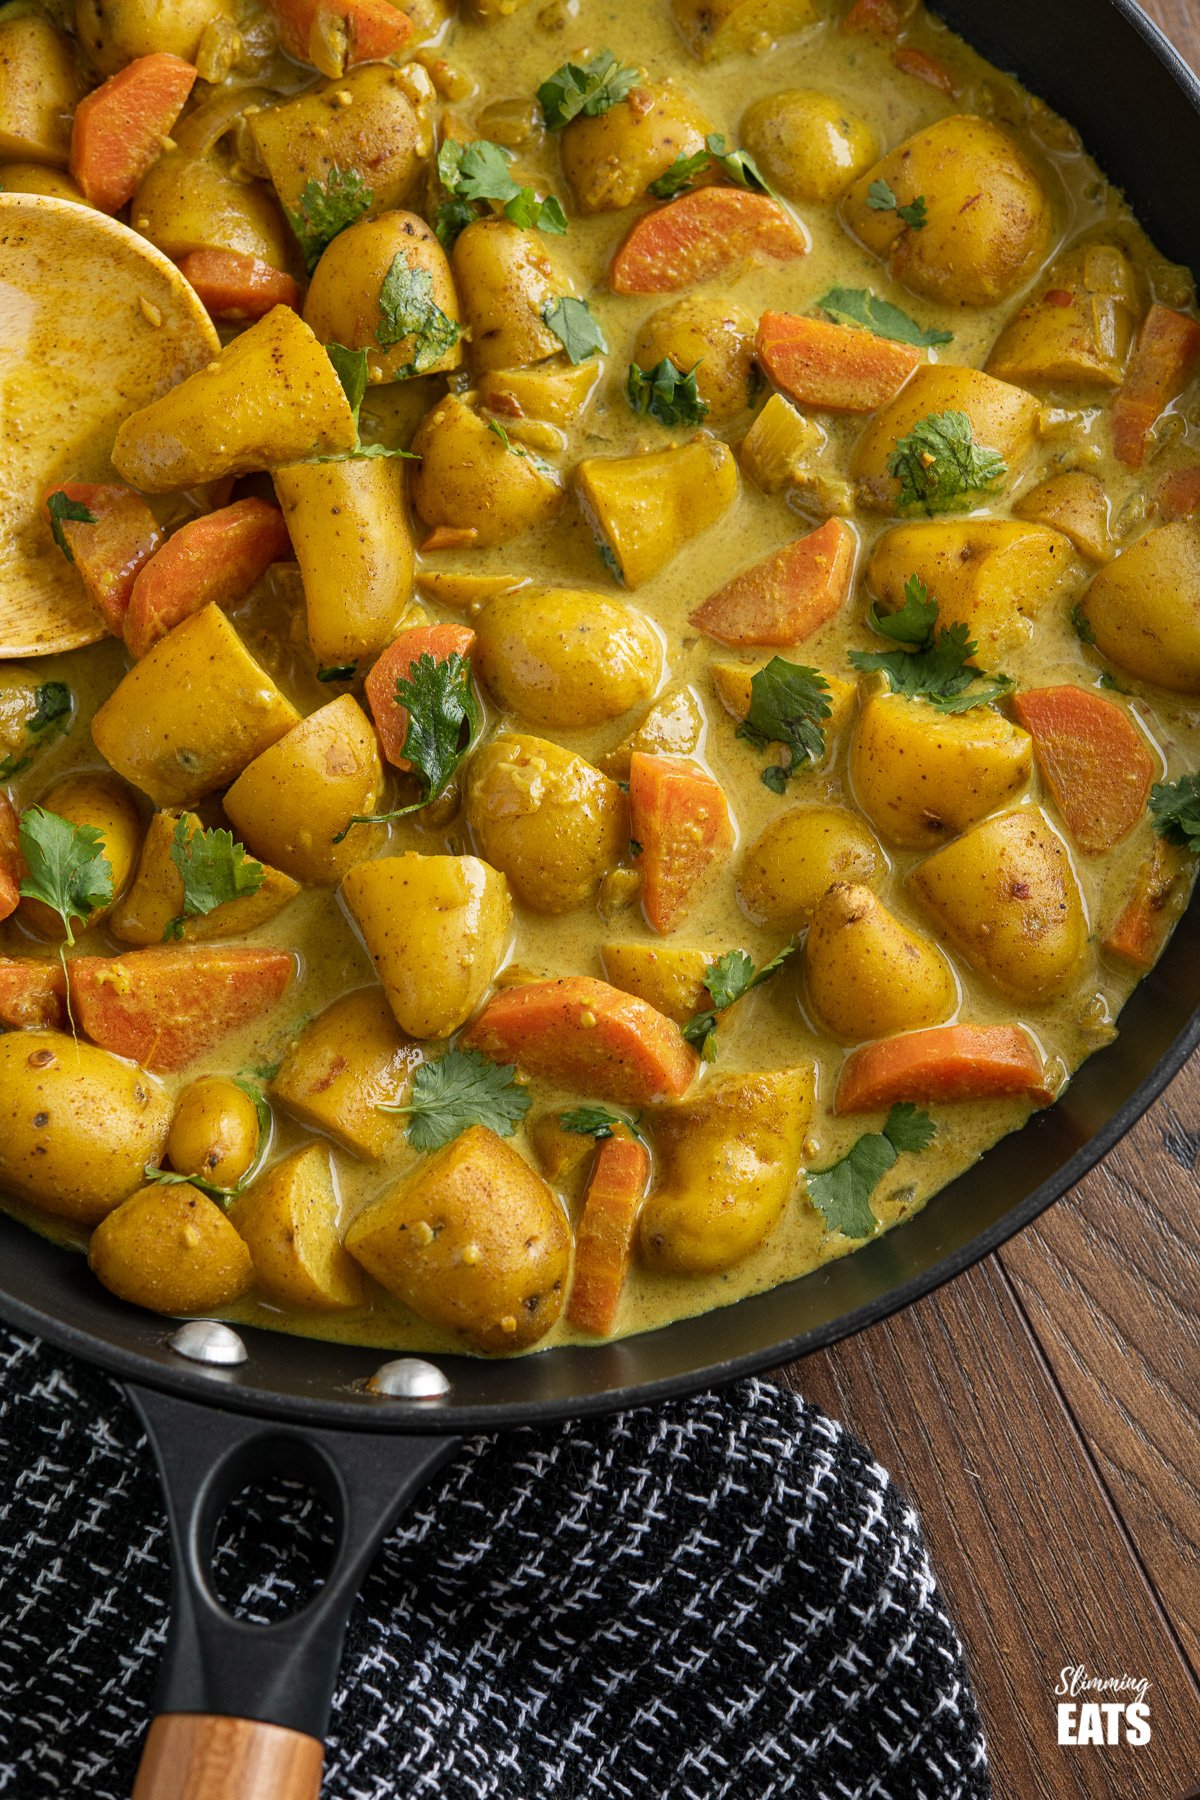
1041 1413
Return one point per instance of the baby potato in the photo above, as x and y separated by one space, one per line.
715 28
188 202
474 1241
801 854
1077 331
673 726
214 1131
546 819
668 976
469 479
1144 608
991 575
644 509
109 808
1006 895
437 929
869 976
555 393
155 900
346 1064
610 160
350 534
36 178
115 32
922 775
364 120
712 336
38 90
1003 418
77 1125
727 1167
288 1220
988 219
807 144
172 1250
1076 504
292 801
344 304
506 278
566 658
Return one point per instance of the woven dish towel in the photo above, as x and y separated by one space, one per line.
720 1599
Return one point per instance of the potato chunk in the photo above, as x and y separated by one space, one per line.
114 32
363 121
347 1063
800 855
667 976
922 775
39 87
716 28
172 1250
472 484
567 658
474 1241
155 899
1003 419
288 1219
1076 504
506 279
1144 608
868 975
644 509
610 160
546 819
1078 329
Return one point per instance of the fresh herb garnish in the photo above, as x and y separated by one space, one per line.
842 1193
407 309
727 980
666 393
63 510
1175 811
497 430
451 220
214 869
584 90
737 166
476 173
595 1122
859 306
326 208
681 174
338 672
350 367
66 866
939 465
444 722
880 198
934 665
460 1089
1081 626
223 1195
572 323
53 704
788 703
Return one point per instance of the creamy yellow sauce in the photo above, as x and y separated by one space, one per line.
507 60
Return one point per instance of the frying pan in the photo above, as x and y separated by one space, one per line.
242 1708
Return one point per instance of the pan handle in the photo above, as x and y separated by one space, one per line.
242 1708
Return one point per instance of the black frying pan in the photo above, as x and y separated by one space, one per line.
243 1708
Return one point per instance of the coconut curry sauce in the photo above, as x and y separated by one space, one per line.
966 859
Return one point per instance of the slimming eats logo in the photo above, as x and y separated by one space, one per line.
1102 1709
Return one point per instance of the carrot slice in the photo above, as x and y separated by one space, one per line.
926 68
1145 921
33 994
587 1036
391 718
604 1235
332 34
948 1062
118 129
832 367
166 1008
1179 494
875 18
700 235
1167 348
1092 758
12 863
234 285
679 816
785 598
109 553
209 561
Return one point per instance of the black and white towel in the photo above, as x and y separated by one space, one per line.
721 1599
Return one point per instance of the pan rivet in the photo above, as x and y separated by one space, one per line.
208 1341
408 1378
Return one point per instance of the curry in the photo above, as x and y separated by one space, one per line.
646 704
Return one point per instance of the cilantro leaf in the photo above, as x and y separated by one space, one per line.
451 220
737 166
586 89
62 510
444 722
326 208
842 1193
679 176
934 667
1081 626
572 323
939 465
859 306
532 214
338 672
460 1089
53 704
914 622
1175 811
407 309
497 430
881 198
728 979
666 393
66 864
214 870
594 1121
476 173
788 703
350 367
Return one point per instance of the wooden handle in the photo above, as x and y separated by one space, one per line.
197 1756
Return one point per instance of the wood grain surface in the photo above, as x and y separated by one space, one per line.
1042 1414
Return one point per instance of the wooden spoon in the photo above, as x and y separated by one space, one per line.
94 323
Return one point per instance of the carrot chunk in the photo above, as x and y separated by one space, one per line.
1159 891
875 18
167 1008
12 863
332 34
1092 758
679 816
585 1035
785 598
119 129
109 552
1179 494
391 718
926 68
1159 370
833 368
233 285
703 234
604 1236
33 994
948 1062
209 561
